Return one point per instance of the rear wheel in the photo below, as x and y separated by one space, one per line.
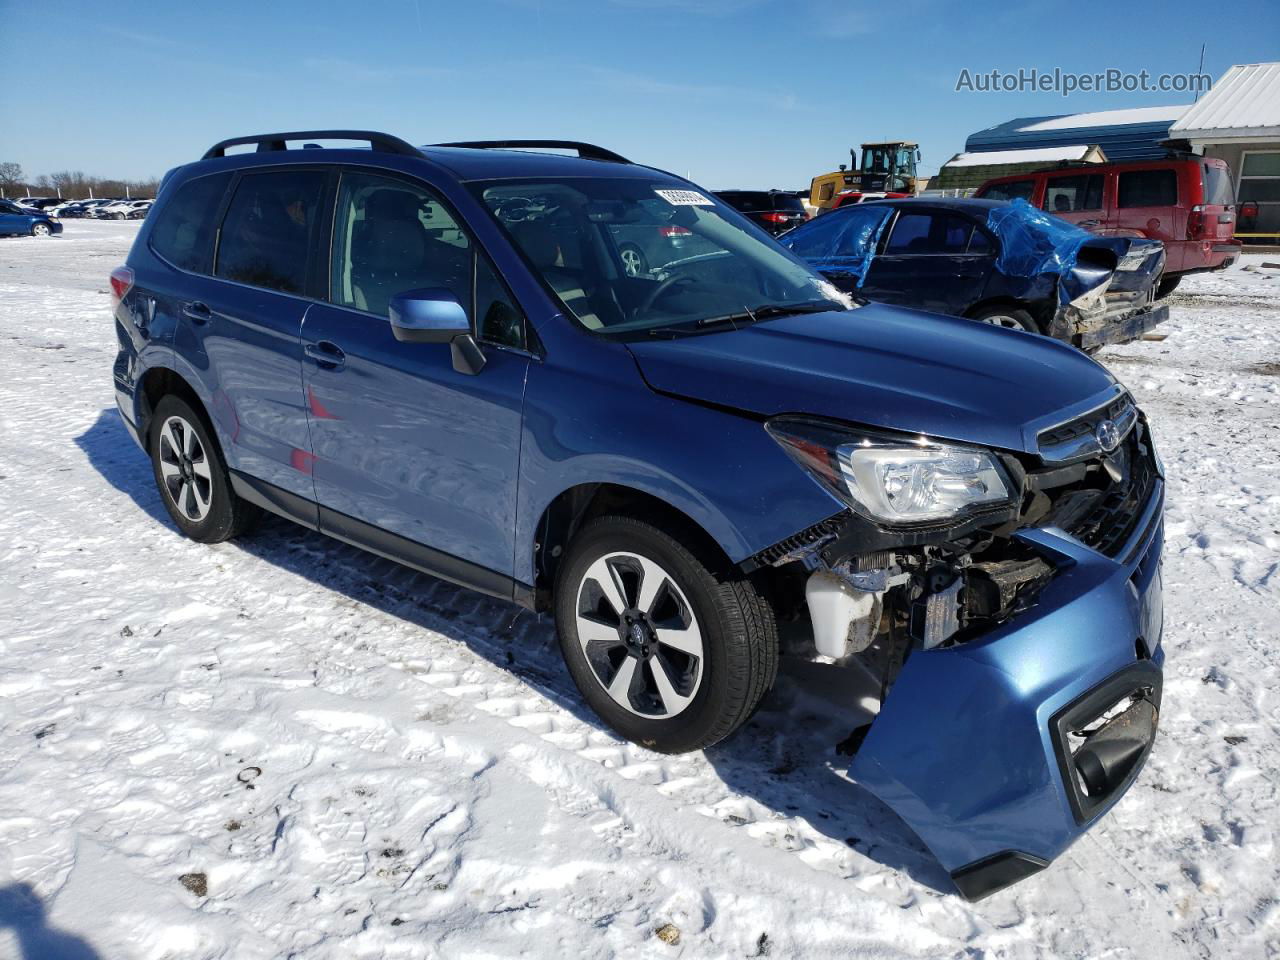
1011 318
669 651
192 477
1168 285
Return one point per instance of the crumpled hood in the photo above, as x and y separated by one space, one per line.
886 367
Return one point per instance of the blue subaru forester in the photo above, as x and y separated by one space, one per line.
440 354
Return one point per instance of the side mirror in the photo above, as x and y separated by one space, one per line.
434 315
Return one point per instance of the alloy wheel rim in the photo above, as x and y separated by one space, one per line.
185 469
1000 320
639 636
41 230
632 262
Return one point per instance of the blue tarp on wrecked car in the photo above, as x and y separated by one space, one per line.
1031 242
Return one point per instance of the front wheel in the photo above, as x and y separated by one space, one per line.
40 230
672 652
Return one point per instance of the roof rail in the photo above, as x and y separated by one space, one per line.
268 142
588 151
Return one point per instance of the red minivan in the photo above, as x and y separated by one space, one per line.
1184 201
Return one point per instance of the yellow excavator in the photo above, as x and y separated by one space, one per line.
888 169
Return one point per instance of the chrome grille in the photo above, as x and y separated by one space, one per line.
1077 438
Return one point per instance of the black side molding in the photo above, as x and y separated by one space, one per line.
991 874
366 536
270 497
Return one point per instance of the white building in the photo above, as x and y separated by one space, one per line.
1239 121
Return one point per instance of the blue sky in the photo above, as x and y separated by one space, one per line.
735 93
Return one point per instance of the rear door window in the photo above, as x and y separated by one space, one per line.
1012 190
929 233
1147 188
183 234
1069 194
270 229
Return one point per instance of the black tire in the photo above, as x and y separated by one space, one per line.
738 636
1168 285
227 515
633 258
1012 318
41 230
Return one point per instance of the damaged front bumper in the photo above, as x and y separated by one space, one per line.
999 752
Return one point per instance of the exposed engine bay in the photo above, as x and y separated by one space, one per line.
926 588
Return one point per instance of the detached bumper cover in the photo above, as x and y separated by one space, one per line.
970 745
1129 328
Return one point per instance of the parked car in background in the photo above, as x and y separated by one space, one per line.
671 463
1185 202
947 255
43 204
131 209
23 221
69 208
80 208
775 210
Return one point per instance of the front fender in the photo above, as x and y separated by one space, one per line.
596 421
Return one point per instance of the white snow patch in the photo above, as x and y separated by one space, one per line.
364 762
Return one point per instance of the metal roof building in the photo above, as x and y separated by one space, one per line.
1239 121
1122 134
1243 105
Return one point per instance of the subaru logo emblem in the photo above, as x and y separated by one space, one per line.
1108 435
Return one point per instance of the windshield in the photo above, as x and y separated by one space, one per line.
626 256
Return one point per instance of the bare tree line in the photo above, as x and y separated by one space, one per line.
70 184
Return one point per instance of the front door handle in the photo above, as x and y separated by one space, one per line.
197 311
327 354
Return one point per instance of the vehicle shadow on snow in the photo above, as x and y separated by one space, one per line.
783 763
22 911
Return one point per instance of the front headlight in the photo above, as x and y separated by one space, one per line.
895 480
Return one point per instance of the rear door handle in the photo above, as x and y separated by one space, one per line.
327 354
197 311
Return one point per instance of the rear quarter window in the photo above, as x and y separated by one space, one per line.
1147 188
1009 191
1217 186
186 224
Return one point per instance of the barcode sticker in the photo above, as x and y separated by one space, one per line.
684 198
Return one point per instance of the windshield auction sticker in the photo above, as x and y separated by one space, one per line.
684 198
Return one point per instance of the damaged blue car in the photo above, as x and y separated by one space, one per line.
1002 263
440 354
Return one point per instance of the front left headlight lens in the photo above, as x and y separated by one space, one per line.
895 480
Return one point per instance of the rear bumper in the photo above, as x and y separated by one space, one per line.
1129 328
973 745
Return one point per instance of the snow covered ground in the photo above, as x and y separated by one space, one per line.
284 747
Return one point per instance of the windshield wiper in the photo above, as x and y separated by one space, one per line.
767 311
